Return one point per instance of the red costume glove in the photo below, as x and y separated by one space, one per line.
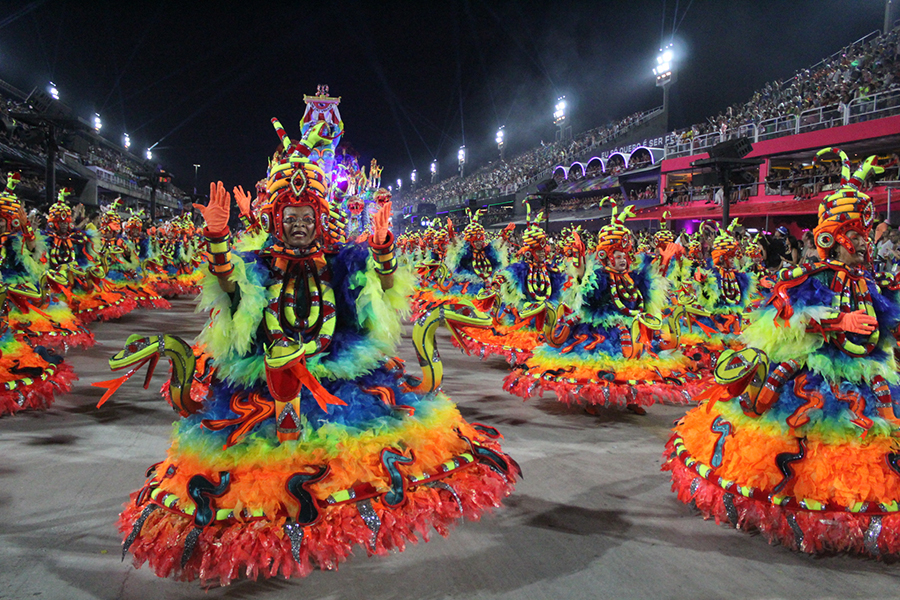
381 235
217 212
858 322
243 200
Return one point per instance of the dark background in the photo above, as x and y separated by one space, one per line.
417 79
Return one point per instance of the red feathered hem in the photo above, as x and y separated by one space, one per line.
153 302
513 356
62 339
109 312
813 532
262 549
38 395
613 393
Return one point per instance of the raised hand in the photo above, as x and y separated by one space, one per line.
243 200
217 212
381 224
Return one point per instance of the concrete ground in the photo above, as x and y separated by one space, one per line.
593 518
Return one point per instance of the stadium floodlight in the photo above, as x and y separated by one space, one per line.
501 140
433 167
461 157
149 154
53 91
98 124
399 184
126 141
559 112
412 176
664 69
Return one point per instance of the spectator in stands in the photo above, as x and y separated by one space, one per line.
809 254
786 248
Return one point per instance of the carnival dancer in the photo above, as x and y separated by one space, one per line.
798 437
75 271
434 278
309 439
122 258
31 311
610 351
524 299
723 295
30 374
471 261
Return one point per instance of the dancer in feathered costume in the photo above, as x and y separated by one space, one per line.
611 350
434 278
75 271
724 294
307 439
471 262
798 438
176 255
123 260
523 301
141 267
32 311
30 374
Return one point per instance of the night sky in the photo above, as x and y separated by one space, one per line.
417 79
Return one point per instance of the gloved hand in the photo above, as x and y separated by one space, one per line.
217 212
243 200
671 250
381 225
858 322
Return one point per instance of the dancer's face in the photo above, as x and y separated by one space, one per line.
620 260
299 226
858 242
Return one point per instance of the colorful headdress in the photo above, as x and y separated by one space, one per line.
695 248
664 236
59 211
293 181
615 236
9 202
725 246
534 238
847 209
474 231
135 222
110 220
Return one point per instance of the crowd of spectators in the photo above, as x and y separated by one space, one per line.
857 72
30 140
506 177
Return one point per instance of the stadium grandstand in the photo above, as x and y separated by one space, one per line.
43 139
851 99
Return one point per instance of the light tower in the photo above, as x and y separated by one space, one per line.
98 124
412 179
501 141
126 141
434 171
461 156
560 119
399 184
665 75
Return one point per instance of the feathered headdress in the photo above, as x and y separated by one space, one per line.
725 246
615 236
847 209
